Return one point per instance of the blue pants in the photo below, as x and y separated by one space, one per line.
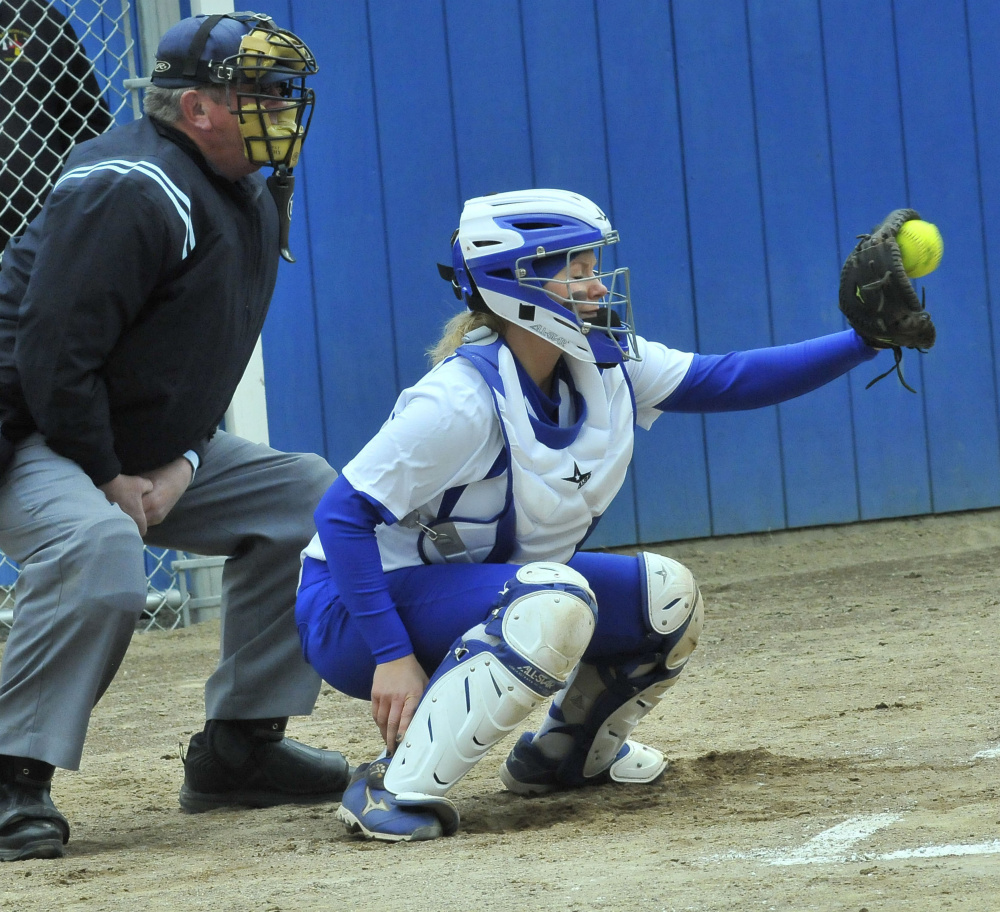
438 603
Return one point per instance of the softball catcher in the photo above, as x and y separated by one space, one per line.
446 582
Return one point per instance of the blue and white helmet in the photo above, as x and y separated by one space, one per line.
508 245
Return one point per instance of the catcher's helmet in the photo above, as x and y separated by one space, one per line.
264 69
509 245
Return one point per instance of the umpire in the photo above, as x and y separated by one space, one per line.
129 309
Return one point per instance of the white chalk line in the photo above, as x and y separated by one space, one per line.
827 847
980 848
833 846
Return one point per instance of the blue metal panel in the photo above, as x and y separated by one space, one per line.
984 32
707 162
649 209
292 371
942 174
868 164
492 126
291 363
9 571
565 95
797 190
355 325
333 307
419 179
716 106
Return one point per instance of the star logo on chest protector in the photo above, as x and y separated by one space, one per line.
578 478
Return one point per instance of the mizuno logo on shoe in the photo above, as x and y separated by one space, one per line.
371 804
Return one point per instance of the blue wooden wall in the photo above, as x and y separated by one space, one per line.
739 146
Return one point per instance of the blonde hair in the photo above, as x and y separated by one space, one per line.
457 327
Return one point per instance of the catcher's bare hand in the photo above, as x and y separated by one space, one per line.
396 691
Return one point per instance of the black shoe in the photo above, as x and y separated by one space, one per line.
30 825
250 763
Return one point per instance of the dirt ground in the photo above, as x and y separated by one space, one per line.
835 745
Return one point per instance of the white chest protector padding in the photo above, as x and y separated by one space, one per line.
558 492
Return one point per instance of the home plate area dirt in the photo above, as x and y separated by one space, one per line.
834 745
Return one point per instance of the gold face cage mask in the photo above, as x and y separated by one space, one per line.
266 89
265 85
268 92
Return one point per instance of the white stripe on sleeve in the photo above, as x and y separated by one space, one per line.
180 201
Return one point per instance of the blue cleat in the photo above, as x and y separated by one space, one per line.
527 771
372 811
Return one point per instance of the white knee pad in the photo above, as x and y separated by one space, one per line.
494 676
671 592
602 704
551 618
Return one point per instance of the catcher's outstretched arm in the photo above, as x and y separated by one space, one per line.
766 376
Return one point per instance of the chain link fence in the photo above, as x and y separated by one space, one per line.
182 589
64 73
63 68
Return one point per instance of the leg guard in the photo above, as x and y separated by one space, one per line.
494 676
584 740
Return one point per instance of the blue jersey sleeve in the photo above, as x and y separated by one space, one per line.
346 521
766 376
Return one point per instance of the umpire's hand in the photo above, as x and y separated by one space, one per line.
168 484
128 492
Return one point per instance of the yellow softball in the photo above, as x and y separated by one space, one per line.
921 247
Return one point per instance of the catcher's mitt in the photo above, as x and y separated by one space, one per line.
877 298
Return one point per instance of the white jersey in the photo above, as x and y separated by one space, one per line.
460 449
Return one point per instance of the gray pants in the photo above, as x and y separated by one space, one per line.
83 586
